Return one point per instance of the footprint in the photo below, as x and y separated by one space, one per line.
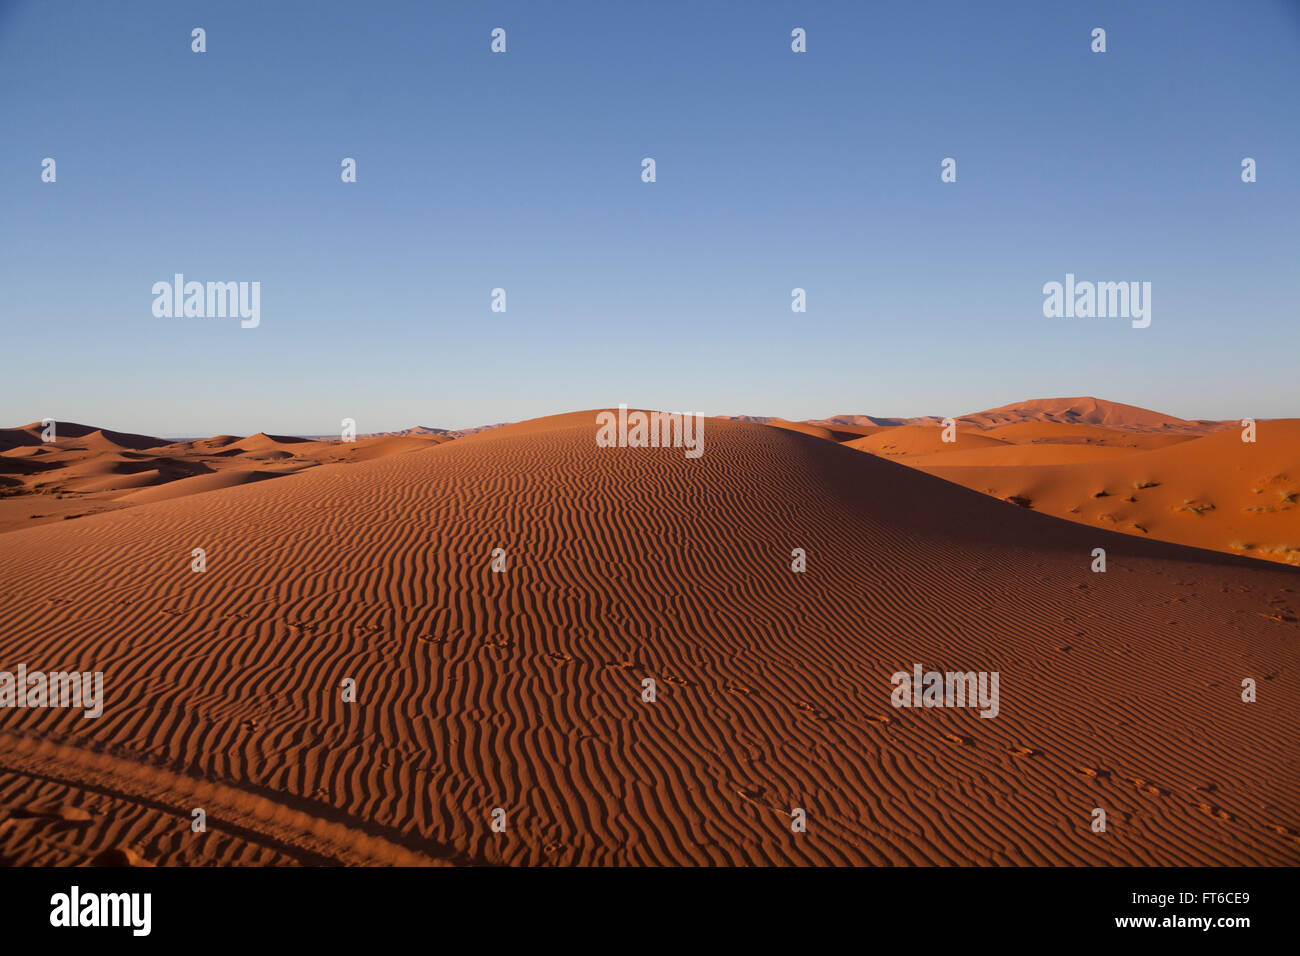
812 709
1280 617
1149 788
1214 811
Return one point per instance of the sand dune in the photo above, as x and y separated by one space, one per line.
71 434
830 433
90 470
877 422
383 446
1123 468
1115 416
522 690
910 440
1047 432
1015 455
421 431
200 484
1088 411
205 445
1211 492
264 442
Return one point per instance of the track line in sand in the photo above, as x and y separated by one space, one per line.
307 837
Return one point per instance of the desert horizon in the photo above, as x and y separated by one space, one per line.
402 640
835 453
1066 454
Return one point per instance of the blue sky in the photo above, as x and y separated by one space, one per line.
523 171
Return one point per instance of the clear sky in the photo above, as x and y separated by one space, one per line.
522 170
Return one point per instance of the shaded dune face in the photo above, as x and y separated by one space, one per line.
522 690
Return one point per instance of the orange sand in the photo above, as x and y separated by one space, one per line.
522 690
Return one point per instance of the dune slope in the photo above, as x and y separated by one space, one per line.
522 690
1214 491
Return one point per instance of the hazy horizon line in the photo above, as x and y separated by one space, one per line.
316 434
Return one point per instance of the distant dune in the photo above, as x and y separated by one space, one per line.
1065 411
1036 432
829 432
1214 491
522 690
1087 411
72 434
908 440
1119 467
873 420
88 470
